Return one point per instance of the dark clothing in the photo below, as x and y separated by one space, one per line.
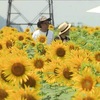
63 39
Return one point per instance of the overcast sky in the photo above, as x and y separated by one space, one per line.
72 11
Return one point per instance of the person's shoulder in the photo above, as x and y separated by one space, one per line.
36 31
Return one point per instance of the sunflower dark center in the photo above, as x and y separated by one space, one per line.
28 97
28 38
9 44
42 40
0 47
43 52
21 38
1 32
3 94
71 47
27 30
87 83
60 52
31 82
67 74
97 57
39 63
88 98
33 44
18 69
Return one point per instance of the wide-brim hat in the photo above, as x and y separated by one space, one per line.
42 19
64 27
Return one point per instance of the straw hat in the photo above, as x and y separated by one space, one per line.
41 20
64 27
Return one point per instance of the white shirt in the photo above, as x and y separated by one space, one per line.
50 36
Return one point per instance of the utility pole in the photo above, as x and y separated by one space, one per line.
9 12
11 22
51 11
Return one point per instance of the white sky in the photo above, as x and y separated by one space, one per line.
72 11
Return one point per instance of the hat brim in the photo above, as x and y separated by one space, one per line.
46 20
69 25
39 22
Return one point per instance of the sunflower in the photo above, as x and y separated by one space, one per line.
50 72
28 37
1 45
87 96
91 30
4 52
97 72
91 57
21 36
48 58
20 52
42 39
97 56
23 39
9 44
73 28
76 58
65 74
97 67
17 68
85 27
72 46
8 41
32 43
38 62
41 48
8 31
85 82
27 30
33 81
51 27
3 78
5 91
97 28
1 33
25 94
57 49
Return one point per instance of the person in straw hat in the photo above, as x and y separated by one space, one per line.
43 25
63 32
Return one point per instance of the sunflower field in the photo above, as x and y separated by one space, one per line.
33 70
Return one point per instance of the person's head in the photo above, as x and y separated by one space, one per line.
43 23
64 30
